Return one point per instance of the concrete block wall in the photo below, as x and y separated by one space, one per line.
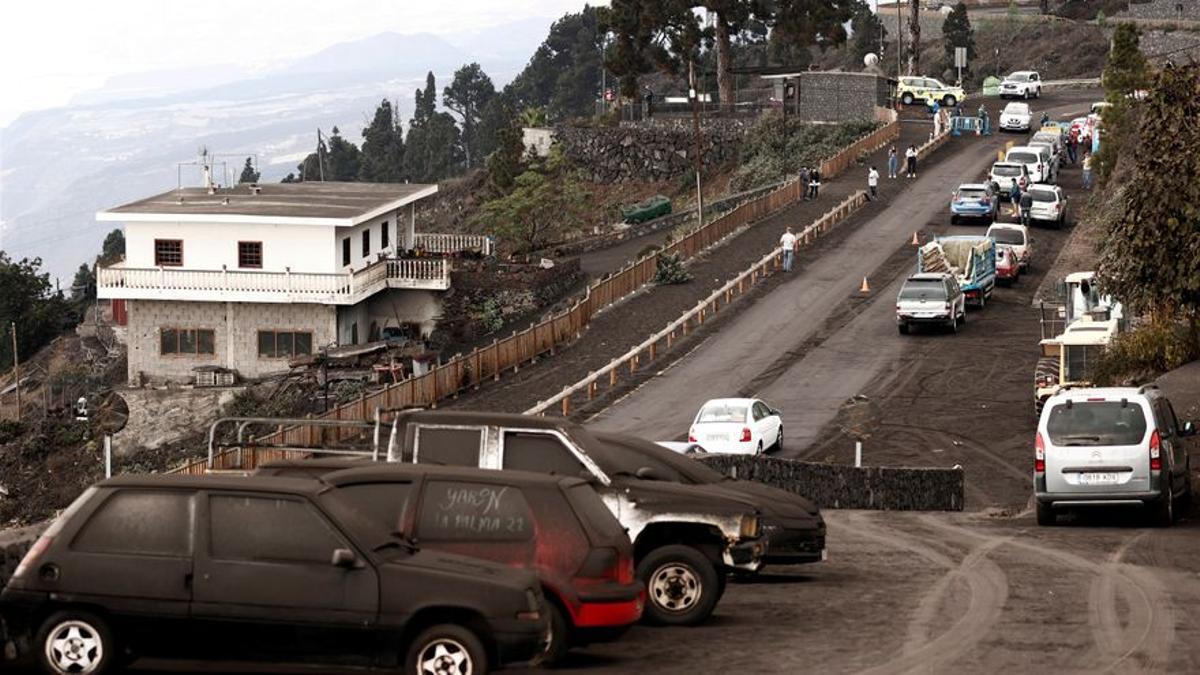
841 97
840 486
235 327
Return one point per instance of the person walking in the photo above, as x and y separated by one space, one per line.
788 244
814 183
804 181
1073 146
873 182
1026 207
1045 119
893 162
910 157
1087 170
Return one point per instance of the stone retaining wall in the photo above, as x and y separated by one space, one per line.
650 152
1187 10
839 486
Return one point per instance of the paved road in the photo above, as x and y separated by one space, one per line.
764 352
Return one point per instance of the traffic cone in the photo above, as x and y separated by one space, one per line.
866 288
915 241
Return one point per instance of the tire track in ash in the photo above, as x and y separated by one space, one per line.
984 580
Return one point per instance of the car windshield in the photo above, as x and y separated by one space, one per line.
627 454
1096 423
1007 236
1044 138
1006 170
1024 157
923 289
1043 196
1019 77
722 412
1016 109
972 193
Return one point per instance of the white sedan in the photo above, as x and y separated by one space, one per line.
740 426
1016 117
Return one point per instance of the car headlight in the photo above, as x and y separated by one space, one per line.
748 528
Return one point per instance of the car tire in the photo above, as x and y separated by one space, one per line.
982 300
1046 517
906 98
759 451
962 318
949 101
75 641
953 219
903 327
682 586
560 636
454 640
1047 368
778 447
1163 513
722 583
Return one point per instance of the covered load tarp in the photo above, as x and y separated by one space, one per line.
964 257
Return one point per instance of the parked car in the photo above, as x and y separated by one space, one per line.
1024 84
1119 446
1004 173
912 89
1049 158
975 201
1016 237
1053 138
1049 204
686 538
275 569
1033 159
1008 268
792 524
738 426
557 527
1016 117
930 298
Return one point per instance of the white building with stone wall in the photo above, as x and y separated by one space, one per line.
250 277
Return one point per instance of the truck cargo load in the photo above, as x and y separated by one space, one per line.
971 259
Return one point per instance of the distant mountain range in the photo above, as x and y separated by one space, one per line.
126 140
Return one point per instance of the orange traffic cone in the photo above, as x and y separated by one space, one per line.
915 241
866 288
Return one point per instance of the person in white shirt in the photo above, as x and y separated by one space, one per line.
788 243
873 182
911 156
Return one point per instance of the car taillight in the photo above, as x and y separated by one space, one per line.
1155 451
1039 454
745 434
692 436
31 558
607 564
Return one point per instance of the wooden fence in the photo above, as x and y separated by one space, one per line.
469 371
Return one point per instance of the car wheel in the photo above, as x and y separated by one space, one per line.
682 585
903 327
1025 94
962 318
76 642
560 636
759 451
1163 514
953 219
949 101
1045 515
982 299
446 648
779 440
952 324
906 99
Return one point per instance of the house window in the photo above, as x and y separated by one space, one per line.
366 248
346 251
187 341
250 254
385 239
283 344
168 252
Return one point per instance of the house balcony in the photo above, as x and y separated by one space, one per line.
165 283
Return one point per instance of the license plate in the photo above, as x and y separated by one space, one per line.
717 437
1106 478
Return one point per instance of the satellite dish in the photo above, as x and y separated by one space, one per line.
870 60
112 413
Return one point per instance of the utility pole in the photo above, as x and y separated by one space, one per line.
320 162
899 39
695 95
16 367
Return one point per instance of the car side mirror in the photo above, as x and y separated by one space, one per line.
1189 429
647 473
344 558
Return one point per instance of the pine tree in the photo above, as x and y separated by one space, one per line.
914 37
83 287
798 25
957 32
382 157
467 95
343 158
628 56
249 174
433 150
868 33
113 248
1125 73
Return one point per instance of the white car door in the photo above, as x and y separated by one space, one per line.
767 425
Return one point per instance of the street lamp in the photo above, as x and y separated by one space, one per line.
692 94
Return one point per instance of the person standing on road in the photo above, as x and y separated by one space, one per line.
1014 195
910 157
1087 171
1026 207
1073 146
873 182
814 183
893 162
1045 119
804 181
788 243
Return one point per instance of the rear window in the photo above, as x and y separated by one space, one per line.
462 511
923 290
139 522
1006 170
972 193
1043 195
590 508
540 453
450 447
722 412
1091 423
1007 236
1023 157
1045 138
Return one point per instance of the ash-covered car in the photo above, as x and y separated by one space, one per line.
686 538
792 524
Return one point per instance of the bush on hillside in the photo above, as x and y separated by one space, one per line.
776 147
1145 353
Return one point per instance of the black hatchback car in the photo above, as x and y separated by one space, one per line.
278 569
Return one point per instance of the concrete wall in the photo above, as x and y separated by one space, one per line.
398 224
208 246
236 327
395 306
839 486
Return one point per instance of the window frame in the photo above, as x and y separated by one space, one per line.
158 260
196 341
241 263
385 238
366 242
275 342
346 251
344 540
483 434
190 546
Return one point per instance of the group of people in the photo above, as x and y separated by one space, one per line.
812 179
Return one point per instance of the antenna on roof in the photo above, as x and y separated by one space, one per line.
206 163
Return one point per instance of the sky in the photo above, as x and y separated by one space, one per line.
52 50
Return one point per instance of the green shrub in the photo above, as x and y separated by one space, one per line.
776 147
671 270
1146 352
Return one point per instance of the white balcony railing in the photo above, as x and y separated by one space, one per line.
453 243
164 283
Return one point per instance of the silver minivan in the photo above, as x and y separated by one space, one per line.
1117 446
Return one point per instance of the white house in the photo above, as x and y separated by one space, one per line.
248 277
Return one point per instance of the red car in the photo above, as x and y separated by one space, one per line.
1008 268
557 526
